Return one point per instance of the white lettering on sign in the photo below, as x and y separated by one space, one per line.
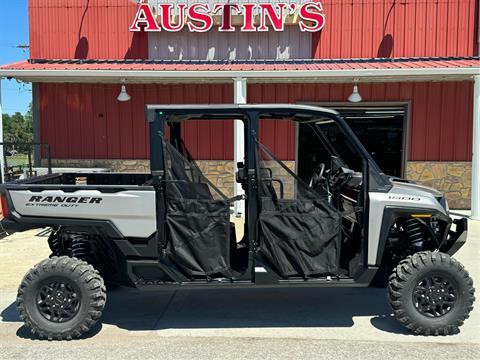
199 17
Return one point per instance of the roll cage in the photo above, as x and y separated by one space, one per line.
160 117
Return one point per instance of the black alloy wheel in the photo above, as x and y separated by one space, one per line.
431 293
61 298
59 301
434 296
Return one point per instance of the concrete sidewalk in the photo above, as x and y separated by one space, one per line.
341 314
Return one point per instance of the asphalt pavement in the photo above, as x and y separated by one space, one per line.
333 323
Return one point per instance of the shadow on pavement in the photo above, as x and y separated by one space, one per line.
240 308
9 314
389 324
25 333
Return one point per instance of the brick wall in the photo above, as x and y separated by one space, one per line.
219 172
452 178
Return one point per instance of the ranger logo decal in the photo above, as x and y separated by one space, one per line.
62 201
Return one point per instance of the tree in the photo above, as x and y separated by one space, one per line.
18 128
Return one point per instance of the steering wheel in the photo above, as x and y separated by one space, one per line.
317 175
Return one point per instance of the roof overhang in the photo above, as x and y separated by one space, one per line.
326 71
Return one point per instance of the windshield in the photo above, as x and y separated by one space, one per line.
339 146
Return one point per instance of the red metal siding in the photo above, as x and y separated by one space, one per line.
81 29
440 122
361 28
391 28
86 121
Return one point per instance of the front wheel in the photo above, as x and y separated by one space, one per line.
431 293
61 298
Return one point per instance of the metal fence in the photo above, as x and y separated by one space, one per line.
24 160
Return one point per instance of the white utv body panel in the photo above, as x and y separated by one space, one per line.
409 196
132 212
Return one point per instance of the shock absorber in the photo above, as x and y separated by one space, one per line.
81 248
413 229
55 243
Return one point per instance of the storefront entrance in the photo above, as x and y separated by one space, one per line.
381 129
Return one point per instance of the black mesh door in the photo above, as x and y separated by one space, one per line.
198 218
299 231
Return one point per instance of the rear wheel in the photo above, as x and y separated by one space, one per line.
431 293
61 298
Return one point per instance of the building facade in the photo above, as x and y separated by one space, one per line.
414 61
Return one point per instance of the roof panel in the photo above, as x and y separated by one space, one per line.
340 64
405 69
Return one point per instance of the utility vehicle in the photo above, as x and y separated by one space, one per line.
346 224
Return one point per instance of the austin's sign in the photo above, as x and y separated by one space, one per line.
201 17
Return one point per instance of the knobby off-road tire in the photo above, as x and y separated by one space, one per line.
61 298
431 293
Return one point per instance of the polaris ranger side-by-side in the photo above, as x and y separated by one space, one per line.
346 224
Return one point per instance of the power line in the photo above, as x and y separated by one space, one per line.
23 91
10 110
17 46
17 90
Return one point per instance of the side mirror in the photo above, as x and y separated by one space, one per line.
241 176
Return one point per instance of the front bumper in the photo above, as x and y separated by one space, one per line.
457 238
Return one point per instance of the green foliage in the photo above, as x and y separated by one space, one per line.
18 128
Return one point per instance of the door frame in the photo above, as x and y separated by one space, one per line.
406 122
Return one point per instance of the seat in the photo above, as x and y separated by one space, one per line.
267 182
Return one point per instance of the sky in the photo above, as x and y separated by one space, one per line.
13 32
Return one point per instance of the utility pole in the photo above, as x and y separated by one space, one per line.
2 159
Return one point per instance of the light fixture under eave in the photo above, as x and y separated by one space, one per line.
355 96
124 96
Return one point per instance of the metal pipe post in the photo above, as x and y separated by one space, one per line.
239 97
476 150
